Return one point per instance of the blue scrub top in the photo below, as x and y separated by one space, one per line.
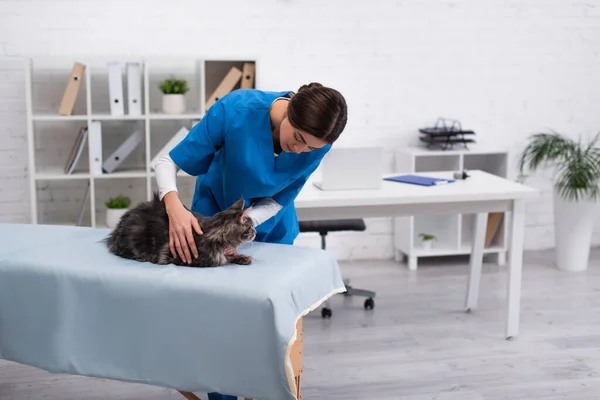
232 154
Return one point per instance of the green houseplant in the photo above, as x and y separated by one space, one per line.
116 207
427 240
174 90
576 191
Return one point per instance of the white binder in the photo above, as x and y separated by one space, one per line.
115 88
178 137
134 89
95 138
122 152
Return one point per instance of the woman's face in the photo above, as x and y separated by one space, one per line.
293 140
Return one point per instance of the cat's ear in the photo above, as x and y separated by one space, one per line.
238 205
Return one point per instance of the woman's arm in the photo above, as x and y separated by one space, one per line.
194 155
166 175
263 210
181 221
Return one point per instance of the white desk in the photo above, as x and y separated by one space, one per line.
480 194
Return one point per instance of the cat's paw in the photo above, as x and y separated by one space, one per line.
241 259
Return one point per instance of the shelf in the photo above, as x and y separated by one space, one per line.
175 116
179 173
52 136
443 227
429 163
422 151
495 228
55 174
454 232
123 174
64 201
57 117
105 189
496 164
438 251
105 117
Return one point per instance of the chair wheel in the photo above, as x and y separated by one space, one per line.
369 303
326 312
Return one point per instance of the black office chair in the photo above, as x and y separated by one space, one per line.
323 228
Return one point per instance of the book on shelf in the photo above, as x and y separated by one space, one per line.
76 150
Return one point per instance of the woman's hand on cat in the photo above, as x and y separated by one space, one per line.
181 238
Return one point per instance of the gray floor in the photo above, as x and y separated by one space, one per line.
417 343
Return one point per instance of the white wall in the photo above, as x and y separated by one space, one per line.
505 69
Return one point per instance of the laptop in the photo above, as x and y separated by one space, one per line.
351 168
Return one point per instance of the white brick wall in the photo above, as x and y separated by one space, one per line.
505 69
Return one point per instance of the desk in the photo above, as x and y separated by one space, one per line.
480 194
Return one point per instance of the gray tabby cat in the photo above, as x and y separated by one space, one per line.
142 234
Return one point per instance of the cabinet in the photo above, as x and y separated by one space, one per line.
453 232
78 197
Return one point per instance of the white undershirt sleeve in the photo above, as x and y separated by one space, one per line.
166 175
166 180
263 210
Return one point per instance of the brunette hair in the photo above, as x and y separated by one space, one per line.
319 111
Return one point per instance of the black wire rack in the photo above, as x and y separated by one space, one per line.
445 134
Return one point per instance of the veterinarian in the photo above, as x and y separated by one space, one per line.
256 144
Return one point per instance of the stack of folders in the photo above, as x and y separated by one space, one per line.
134 88
115 88
419 180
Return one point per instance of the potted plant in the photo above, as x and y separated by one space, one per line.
174 90
576 189
115 208
427 240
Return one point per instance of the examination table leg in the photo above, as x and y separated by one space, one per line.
296 356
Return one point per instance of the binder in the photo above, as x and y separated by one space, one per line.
95 137
76 150
418 180
226 86
134 88
178 137
72 89
248 76
493 225
115 88
122 152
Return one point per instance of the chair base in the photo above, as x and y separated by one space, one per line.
323 228
369 304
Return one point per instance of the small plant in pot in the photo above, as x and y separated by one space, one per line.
427 240
115 208
576 192
174 90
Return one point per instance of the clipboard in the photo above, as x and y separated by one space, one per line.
419 180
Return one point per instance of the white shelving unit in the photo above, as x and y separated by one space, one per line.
51 135
453 232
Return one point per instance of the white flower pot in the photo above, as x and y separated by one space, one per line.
573 226
113 215
173 103
427 244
